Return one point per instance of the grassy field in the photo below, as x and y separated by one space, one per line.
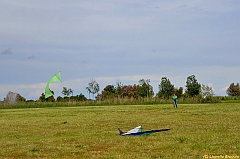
197 131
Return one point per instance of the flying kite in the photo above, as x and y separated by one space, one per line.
138 132
55 78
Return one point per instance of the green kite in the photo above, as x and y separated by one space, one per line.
55 78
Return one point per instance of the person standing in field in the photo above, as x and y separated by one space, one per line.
175 100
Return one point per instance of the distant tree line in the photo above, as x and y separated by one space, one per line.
145 90
141 91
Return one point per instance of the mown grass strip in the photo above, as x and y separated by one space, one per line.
91 132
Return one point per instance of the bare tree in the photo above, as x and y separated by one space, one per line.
206 91
67 92
93 87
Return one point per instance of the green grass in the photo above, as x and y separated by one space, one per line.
91 131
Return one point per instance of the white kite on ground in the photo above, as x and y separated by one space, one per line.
138 132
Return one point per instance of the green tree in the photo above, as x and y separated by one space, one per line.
178 91
108 92
233 90
166 89
60 99
42 98
145 89
193 88
49 99
93 87
80 97
67 92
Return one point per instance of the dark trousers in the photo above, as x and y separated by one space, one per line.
175 103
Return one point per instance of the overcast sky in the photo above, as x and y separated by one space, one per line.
112 41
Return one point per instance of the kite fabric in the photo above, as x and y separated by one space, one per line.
55 78
138 132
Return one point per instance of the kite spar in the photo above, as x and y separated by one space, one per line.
55 78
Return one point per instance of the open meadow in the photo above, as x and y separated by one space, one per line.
197 131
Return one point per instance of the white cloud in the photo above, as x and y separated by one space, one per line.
27 91
224 89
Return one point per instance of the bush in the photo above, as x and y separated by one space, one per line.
211 99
